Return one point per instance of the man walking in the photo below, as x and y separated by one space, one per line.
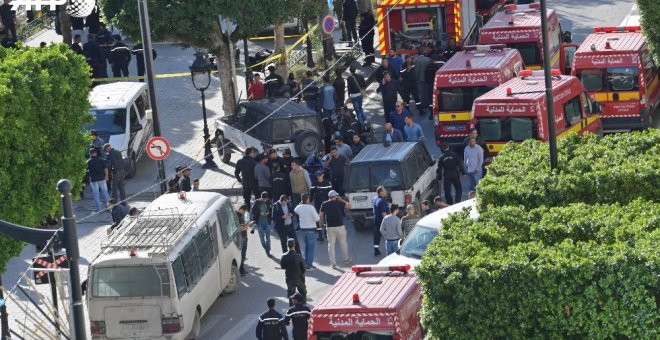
283 220
262 174
389 89
449 170
300 181
390 228
261 213
294 271
279 182
319 193
398 118
271 324
366 31
328 97
474 160
138 52
337 164
98 175
356 84
244 226
332 213
421 62
308 221
392 135
310 92
273 82
380 211
120 57
350 18
298 315
117 172
412 130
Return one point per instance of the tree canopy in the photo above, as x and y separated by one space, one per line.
44 108
649 11
568 255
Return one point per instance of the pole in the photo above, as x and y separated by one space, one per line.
246 60
149 68
552 139
208 155
70 236
4 317
53 290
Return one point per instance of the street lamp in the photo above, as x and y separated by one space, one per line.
200 71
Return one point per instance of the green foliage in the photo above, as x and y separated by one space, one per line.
649 11
43 92
615 168
578 271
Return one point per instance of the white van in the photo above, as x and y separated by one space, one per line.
123 118
160 272
414 246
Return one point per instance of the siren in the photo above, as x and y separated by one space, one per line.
365 268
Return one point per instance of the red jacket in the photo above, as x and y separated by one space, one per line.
256 90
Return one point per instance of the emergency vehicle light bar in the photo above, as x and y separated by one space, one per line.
484 47
538 73
366 268
517 7
611 29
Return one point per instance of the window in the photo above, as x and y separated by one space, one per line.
490 129
530 52
521 128
134 117
387 175
359 178
191 265
304 124
281 130
623 78
417 241
586 103
179 277
111 122
461 98
228 224
142 104
573 111
506 129
204 242
132 281
593 79
232 226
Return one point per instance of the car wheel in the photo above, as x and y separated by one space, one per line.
196 327
223 149
234 278
308 143
132 167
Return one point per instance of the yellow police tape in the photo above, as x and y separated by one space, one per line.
272 37
183 74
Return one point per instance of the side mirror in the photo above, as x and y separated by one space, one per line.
136 128
597 107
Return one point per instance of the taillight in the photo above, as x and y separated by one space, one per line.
97 327
408 199
171 325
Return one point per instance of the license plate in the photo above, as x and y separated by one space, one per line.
454 127
130 328
360 198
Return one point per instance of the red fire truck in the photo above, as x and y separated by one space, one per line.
516 110
372 302
466 76
405 25
616 67
519 27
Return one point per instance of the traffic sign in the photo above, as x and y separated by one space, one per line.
44 262
328 24
158 148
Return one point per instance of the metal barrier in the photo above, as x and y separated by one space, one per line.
35 26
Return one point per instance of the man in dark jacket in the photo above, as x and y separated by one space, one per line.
356 84
273 82
105 40
340 89
75 46
271 324
408 84
117 172
298 315
391 135
294 270
367 23
319 193
245 166
117 211
120 57
7 17
138 52
184 182
389 90
279 182
95 59
93 22
350 17
261 213
450 168
384 67
310 91
283 221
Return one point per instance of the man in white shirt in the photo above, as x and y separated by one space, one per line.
308 218
474 160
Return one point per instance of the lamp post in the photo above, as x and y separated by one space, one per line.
552 139
200 70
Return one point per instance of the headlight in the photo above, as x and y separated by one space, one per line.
124 154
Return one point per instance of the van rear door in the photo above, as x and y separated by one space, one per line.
133 321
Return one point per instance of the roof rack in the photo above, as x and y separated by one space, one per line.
157 231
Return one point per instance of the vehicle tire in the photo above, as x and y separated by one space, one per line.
359 222
196 327
132 167
308 143
223 150
234 279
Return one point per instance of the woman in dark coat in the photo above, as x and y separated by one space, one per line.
367 34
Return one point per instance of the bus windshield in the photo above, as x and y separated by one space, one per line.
506 128
416 243
530 52
356 335
461 98
131 281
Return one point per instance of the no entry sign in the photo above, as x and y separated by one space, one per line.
158 148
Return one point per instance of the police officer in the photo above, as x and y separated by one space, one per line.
138 52
294 270
451 165
120 56
271 324
273 82
299 315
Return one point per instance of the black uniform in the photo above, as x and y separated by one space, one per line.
271 326
279 185
319 192
452 166
138 52
120 56
272 84
367 35
95 59
245 166
298 315
105 40
184 184
294 270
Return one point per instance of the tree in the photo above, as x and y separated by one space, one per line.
649 11
44 108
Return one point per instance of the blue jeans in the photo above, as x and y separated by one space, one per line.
474 180
264 236
357 106
244 244
391 246
96 186
309 237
